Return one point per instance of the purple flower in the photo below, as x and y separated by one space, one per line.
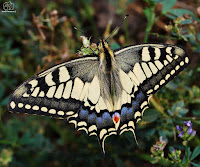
188 123
189 131
181 134
179 128
194 133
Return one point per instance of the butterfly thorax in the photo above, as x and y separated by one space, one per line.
108 71
106 57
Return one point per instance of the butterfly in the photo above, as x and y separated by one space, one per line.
103 94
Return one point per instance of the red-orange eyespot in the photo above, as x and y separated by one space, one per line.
116 117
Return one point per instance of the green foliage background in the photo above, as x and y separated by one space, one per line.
40 141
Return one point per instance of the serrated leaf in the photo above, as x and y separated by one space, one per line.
196 152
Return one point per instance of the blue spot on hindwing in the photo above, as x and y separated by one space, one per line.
135 104
83 114
130 113
107 119
92 118
140 96
106 116
99 122
124 114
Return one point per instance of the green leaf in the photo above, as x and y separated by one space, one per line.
186 21
180 12
151 115
196 152
195 165
167 5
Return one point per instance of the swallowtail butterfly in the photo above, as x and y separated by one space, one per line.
104 94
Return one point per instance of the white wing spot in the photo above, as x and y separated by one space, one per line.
146 70
74 122
102 133
84 91
123 126
67 90
159 64
143 104
63 74
145 54
20 105
94 90
168 50
187 60
157 53
41 94
82 123
35 108
52 111
70 113
162 82
131 124
102 104
51 91
60 113
156 87
167 76
124 97
181 63
27 106
139 72
33 83
172 72
153 68
166 62
78 86
133 78
177 67
49 79
126 82
176 57
26 95
91 128
150 91
35 92
59 91
137 114
169 58
12 104
44 109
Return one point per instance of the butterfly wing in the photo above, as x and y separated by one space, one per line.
149 67
57 92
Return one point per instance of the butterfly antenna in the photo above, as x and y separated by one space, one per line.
84 35
116 28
